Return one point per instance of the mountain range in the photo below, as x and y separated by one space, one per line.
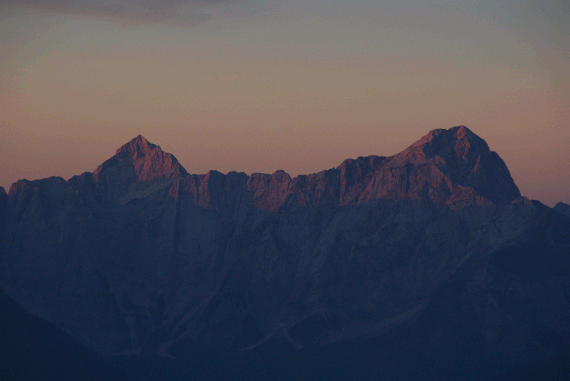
428 264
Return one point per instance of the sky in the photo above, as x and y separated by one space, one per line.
258 86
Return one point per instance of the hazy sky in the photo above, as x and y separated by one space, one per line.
257 86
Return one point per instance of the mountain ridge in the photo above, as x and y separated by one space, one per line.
142 257
453 167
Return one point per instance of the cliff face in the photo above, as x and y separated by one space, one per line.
141 256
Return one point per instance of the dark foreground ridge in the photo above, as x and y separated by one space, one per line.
425 265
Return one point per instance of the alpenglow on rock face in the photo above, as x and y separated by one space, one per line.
142 256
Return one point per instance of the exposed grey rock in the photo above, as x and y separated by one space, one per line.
142 255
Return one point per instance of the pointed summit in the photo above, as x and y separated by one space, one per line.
138 161
458 141
137 147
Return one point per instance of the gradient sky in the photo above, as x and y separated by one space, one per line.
257 86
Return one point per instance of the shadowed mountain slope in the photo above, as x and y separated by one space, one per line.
563 208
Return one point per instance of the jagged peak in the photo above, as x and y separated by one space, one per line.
137 147
460 139
463 159
370 161
462 130
138 161
458 131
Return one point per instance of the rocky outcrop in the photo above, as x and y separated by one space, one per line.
142 256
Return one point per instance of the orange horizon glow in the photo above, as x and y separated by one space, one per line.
299 88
